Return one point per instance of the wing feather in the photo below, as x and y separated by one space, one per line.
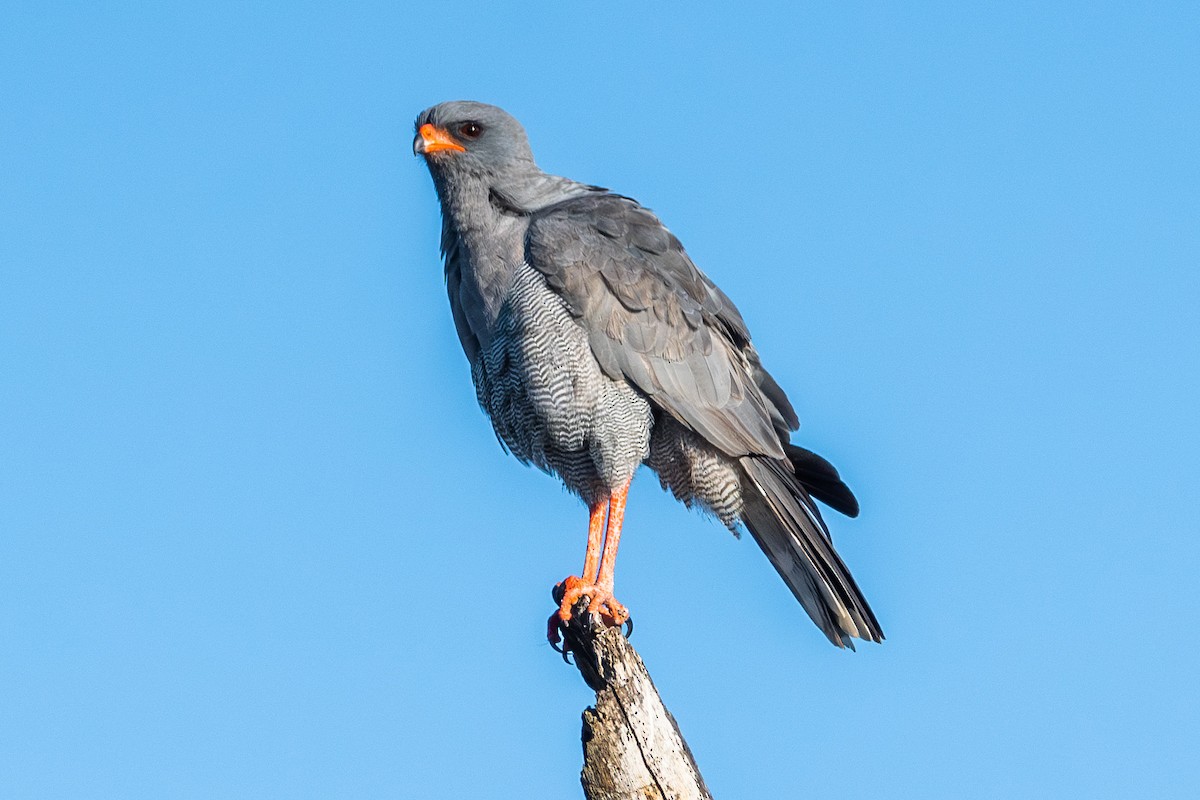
655 320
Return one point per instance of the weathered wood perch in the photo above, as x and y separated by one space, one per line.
632 747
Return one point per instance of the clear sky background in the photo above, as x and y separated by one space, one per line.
257 540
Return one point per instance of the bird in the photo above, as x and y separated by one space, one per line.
596 346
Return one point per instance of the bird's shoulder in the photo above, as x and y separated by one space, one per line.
608 243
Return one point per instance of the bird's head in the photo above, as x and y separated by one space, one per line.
464 136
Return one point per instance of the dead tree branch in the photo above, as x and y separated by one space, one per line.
632 747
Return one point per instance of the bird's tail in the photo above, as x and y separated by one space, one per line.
784 520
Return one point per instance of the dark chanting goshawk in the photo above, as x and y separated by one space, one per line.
596 345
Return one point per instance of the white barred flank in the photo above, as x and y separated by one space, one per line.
695 472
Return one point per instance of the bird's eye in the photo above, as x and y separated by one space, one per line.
470 130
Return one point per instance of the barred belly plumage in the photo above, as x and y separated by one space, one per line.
549 401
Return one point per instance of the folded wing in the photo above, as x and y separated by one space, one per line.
655 320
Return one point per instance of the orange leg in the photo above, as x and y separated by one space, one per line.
591 560
603 600
598 566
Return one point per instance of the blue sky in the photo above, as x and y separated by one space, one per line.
257 540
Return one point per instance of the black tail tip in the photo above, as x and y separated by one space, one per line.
822 480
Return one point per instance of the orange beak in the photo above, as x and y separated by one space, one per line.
434 140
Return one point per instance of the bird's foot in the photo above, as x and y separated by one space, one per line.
601 605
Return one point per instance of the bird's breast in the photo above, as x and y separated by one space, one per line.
548 399
485 261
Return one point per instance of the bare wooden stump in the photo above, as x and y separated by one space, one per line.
632 747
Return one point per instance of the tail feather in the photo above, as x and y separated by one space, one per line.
784 520
821 480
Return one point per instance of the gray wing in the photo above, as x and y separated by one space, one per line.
655 320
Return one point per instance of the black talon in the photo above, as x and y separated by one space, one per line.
565 649
629 626
553 633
